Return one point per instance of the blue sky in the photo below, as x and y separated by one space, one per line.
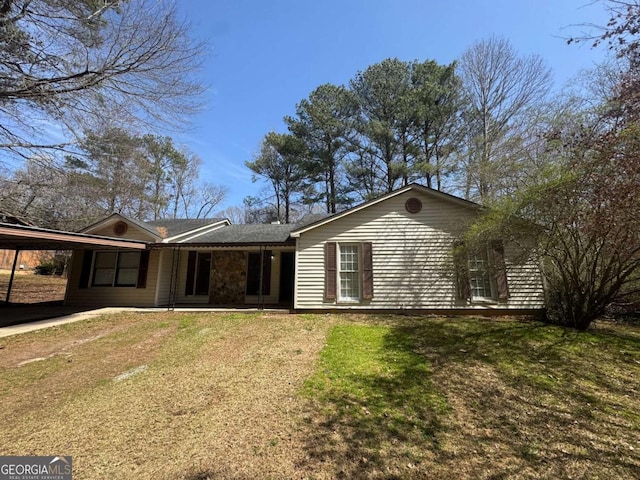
268 55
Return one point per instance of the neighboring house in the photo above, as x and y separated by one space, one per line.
393 253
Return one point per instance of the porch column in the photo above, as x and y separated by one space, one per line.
13 272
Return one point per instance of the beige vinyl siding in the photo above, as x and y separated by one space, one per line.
525 282
412 260
111 296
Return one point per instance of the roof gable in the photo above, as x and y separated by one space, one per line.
107 225
159 231
414 186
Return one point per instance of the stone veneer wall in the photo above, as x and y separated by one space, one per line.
228 278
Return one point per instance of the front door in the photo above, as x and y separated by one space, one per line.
287 264
203 273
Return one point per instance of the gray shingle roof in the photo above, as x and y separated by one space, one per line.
246 234
172 227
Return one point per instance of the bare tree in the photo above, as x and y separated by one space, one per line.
235 214
210 196
68 62
501 88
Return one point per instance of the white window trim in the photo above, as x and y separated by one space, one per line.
492 281
339 297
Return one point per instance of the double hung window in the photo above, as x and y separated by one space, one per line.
481 272
116 269
480 277
349 272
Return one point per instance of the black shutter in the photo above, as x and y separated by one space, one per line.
367 271
461 266
330 265
85 273
497 250
191 273
143 268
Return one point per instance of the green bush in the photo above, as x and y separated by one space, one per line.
54 266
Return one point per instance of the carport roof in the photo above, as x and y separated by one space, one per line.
20 237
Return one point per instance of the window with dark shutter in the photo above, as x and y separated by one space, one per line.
481 272
330 270
367 271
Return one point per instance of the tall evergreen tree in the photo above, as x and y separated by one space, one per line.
438 100
382 124
281 161
323 123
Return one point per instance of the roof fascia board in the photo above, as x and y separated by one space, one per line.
102 222
196 232
288 243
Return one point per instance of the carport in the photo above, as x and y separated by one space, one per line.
20 237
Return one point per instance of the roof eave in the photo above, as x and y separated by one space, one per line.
196 232
287 243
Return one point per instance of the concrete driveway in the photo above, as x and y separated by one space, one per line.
15 319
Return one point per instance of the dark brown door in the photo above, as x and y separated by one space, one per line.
287 272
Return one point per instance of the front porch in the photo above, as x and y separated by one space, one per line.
249 277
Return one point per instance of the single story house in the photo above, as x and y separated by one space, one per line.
389 254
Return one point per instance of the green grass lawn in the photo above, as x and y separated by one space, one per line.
470 398
197 396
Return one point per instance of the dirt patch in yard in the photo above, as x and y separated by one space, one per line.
30 288
218 399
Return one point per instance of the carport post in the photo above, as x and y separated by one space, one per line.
13 271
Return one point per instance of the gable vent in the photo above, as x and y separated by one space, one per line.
120 228
413 205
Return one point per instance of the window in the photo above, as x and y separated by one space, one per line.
481 273
349 272
119 269
480 277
